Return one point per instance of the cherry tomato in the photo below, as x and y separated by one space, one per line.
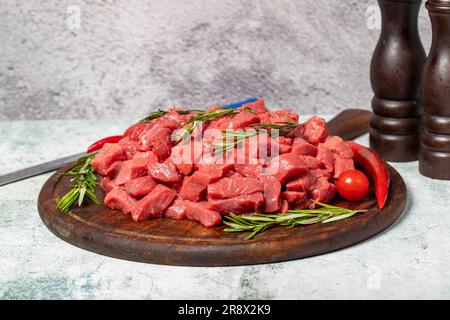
353 185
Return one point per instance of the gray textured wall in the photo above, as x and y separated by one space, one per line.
130 56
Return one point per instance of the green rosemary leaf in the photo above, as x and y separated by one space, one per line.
84 183
258 222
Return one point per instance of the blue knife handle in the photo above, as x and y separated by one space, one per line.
240 103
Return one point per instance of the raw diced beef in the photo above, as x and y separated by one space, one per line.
129 146
325 158
303 147
286 166
242 120
136 167
233 187
295 198
110 153
341 165
303 183
272 189
107 184
114 169
177 210
257 107
140 186
130 170
153 204
338 146
164 172
248 170
198 211
315 130
147 174
117 198
195 186
323 190
240 204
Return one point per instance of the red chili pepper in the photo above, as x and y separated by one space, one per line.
100 143
375 168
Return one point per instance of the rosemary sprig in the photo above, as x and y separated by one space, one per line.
189 127
159 113
233 139
282 127
83 187
257 223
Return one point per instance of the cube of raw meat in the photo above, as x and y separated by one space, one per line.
153 204
117 198
272 190
114 169
303 183
302 147
194 187
129 146
107 184
238 205
323 190
177 210
140 186
296 198
110 153
315 130
198 211
325 158
338 146
130 170
164 172
242 120
257 107
286 166
341 165
230 187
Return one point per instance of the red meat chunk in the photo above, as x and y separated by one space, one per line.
164 172
130 170
177 210
257 107
303 147
117 198
194 187
129 146
296 198
286 166
325 158
242 120
233 187
107 184
272 189
199 211
241 204
140 186
153 204
341 165
110 153
315 130
323 190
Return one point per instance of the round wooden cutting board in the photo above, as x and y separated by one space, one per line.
188 243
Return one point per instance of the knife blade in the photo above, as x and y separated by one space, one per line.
39 169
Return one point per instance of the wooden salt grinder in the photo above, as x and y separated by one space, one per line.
434 161
395 73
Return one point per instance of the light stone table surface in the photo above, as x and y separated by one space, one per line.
410 260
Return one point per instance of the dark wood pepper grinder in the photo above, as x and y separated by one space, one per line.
434 161
395 74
